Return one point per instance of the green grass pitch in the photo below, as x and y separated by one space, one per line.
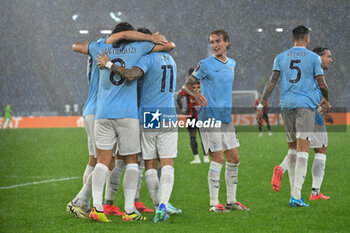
34 155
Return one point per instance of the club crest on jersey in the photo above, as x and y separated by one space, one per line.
152 120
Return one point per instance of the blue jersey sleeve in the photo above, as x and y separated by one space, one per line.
318 68
276 64
200 71
94 47
147 46
144 63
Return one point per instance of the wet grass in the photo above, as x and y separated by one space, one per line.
32 155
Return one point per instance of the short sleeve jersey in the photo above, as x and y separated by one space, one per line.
158 86
298 67
93 76
117 97
216 78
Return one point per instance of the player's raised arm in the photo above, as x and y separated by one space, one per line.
191 80
156 38
266 94
164 48
129 74
81 47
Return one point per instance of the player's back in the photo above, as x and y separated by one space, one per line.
298 67
159 82
117 97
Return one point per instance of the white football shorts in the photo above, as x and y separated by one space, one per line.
219 139
89 121
123 132
298 124
157 143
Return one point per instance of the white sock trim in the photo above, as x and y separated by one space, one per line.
320 156
292 151
302 154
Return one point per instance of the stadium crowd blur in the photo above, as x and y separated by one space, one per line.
40 74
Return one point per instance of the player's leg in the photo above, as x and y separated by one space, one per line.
128 128
152 181
138 204
260 129
80 205
105 144
288 161
210 140
167 151
192 131
89 121
319 142
230 146
112 182
206 155
305 119
266 117
6 122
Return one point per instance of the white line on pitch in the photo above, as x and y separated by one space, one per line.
40 182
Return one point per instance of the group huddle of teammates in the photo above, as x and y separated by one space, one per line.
114 117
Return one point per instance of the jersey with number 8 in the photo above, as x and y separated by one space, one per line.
117 98
298 67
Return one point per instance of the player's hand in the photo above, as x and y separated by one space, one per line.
102 60
328 118
201 100
326 106
259 116
159 39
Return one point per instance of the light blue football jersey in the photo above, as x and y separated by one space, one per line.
318 118
158 85
216 80
298 67
117 97
93 76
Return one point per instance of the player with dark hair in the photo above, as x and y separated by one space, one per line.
162 144
216 75
112 111
319 141
191 113
298 68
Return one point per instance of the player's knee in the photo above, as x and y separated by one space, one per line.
292 145
151 164
322 150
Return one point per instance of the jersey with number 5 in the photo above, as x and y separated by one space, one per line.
158 86
117 97
298 68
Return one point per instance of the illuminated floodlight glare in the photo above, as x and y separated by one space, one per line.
259 30
84 31
113 16
74 17
119 13
106 32
279 29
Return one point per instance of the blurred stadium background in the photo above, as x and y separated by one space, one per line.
39 73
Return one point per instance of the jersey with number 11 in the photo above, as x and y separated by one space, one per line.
298 68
